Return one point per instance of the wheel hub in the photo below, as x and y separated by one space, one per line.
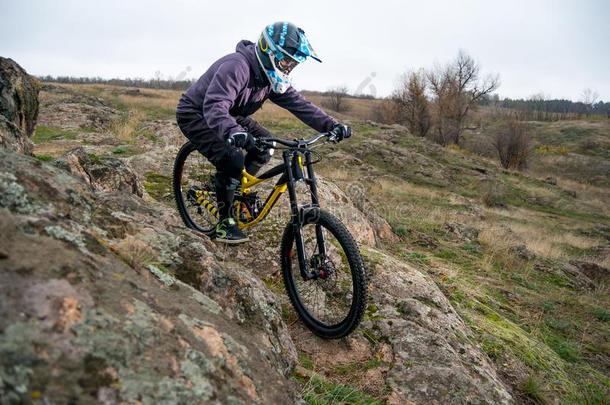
321 266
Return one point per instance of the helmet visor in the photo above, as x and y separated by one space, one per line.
285 65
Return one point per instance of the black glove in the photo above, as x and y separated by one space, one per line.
242 140
340 131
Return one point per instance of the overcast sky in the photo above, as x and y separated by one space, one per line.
555 47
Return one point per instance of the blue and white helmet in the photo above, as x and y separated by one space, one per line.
280 48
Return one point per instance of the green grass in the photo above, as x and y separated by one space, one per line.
88 129
601 314
94 158
417 258
306 361
159 187
44 134
120 150
125 150
371 312
532 389
562 345
400 230
356 366
318 391
45 158
150 135
493 347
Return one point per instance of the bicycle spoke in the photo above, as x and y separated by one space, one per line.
326 299
196 174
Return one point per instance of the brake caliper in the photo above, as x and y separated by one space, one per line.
319 264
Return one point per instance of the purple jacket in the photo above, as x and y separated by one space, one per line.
234 87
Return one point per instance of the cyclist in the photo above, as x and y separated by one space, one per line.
217 107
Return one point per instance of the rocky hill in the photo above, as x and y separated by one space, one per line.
107 298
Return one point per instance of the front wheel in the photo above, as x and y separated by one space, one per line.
332 303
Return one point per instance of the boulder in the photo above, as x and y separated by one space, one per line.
101 173
18 107
80 112
107 299
436 359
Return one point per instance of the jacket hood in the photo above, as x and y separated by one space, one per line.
246 48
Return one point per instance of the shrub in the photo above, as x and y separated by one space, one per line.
494 196
513 145
413 104
387 112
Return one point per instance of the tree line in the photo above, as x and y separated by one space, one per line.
538 108
153 83
172 84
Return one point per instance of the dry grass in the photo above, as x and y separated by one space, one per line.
395 185
360 109
271 112
498 240
539 239
152 99
48 97
125 128
133 251
596 197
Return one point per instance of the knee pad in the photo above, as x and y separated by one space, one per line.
231 163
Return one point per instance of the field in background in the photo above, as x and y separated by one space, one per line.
523 256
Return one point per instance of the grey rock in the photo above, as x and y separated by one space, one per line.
102 173
18 107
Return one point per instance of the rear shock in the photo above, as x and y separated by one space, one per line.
201 197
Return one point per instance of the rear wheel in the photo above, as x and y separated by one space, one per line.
192 181
332 304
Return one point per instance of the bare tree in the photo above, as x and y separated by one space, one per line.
588 98
513 145
456 89
336 99
413 105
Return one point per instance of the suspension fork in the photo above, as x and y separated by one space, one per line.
295 218
313 187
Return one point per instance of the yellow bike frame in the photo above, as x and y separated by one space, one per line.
247 182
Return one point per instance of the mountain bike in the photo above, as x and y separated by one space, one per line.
323 271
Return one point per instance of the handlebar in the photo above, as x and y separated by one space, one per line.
297 143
